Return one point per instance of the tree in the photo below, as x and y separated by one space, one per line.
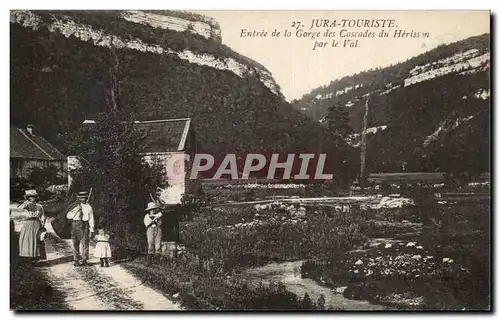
122 181
306 303
344 157
338 124
321 302
112 165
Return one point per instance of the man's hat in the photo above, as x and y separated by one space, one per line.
151 206
82 195
30 193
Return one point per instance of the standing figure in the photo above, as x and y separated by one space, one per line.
30 245
82 228
152 221
102 248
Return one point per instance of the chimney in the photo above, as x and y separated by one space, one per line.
30 127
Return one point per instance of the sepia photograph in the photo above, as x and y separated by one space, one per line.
251 160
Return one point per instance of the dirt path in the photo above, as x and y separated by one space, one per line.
93 287
96 288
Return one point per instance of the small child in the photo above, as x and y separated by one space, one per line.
102 248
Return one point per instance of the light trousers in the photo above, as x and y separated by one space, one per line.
154 240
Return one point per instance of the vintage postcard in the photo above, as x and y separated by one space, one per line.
250 160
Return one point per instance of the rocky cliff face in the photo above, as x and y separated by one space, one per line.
432 111
172 64
195 24
70 27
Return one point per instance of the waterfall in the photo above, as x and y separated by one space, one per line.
363 139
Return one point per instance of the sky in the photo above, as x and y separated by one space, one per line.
298 68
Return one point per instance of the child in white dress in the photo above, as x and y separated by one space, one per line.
102 248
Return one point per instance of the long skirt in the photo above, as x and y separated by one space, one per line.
29 241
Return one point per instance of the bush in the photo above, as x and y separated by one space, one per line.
385 188
327 189
193 201
435 268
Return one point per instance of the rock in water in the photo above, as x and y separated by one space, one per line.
340 289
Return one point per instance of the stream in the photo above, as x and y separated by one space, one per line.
288 273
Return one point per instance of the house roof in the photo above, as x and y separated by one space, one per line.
162 135
165 135
29 146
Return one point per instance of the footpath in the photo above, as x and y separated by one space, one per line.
93 287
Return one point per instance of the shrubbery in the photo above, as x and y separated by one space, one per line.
444 267
245 236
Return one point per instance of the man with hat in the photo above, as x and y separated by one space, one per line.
152 221
82 228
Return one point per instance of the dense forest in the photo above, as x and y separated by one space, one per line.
380 79
439 123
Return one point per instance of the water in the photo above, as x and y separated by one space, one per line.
459 231
289 274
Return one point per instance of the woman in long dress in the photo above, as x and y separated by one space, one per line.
30 244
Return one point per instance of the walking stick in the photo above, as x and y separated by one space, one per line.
90 194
